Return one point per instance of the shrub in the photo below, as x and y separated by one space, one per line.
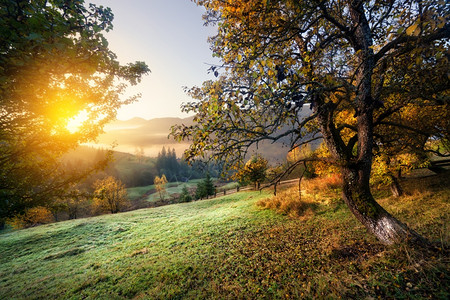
32 217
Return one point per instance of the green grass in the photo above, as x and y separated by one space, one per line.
171 189
228 186
137 192
228 247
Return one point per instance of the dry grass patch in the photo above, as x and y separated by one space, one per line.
313 192
289 203
320 184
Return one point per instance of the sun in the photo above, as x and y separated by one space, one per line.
74 124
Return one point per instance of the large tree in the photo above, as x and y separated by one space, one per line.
55 69
354 64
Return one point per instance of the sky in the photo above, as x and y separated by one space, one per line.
170 37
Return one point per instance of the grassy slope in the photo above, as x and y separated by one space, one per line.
229 247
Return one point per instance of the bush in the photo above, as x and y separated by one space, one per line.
324 183
32 217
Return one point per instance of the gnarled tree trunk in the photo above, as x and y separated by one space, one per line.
376 219
356 167
356 188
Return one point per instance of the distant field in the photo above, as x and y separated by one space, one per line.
229 247
172 188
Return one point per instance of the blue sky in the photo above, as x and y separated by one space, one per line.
170 37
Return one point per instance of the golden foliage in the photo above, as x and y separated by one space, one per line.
32 217
322 168
254 170
160 185
313 192
321 184
110 195
385 166
298 153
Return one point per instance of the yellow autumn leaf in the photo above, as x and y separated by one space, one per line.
413 30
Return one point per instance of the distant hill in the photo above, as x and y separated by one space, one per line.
153 134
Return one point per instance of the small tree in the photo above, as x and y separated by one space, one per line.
209 185
205 188
185 195
139 153
160 185
74 203
110 195
388 167
200 191
254 171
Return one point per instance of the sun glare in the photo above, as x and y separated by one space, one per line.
74 124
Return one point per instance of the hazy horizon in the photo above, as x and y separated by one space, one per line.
163 34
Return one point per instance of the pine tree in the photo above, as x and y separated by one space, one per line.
209 185
200 191
185 195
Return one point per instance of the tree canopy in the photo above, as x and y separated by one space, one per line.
254 171
110 195
360 69
56 70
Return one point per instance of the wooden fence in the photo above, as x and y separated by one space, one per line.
221 193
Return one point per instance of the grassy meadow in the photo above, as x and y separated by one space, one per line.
234 247
148 193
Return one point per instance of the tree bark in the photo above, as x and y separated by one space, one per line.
375 218
395 187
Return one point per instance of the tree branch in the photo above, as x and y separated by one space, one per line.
441 33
